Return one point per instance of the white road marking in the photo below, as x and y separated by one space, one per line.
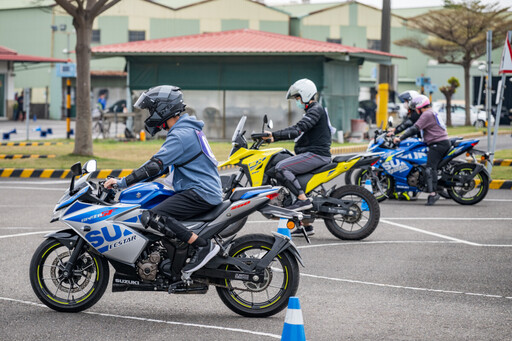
49 182
34 188
441 218
403 287
25 234
429 233
237 330
497 200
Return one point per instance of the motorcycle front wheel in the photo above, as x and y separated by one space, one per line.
364 217
386 183
82 290
281 279
474 190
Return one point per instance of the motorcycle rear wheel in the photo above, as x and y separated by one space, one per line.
349 227
266 298
82 291
386 183
478 186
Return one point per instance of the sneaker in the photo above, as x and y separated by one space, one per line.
309 231
201 256
300 205
432 199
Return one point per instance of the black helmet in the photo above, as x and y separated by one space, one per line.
163 103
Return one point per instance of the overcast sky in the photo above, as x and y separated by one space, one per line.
394 3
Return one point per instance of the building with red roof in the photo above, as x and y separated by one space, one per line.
8 58
247 72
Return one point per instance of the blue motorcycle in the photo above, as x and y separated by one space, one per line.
254 275
402 169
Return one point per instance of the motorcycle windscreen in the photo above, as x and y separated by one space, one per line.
239 128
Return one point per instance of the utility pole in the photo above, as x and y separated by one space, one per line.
384 70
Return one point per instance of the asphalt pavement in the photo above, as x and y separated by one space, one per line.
426 273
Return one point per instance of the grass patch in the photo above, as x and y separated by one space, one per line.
470 129
110 154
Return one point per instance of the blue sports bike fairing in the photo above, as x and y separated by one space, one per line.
398 163
147 195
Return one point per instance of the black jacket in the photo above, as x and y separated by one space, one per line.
314 127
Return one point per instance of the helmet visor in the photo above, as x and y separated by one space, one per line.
144 102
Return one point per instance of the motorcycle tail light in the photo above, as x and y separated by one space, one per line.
373 164
474 143
272 196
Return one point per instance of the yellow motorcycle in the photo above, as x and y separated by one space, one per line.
350 212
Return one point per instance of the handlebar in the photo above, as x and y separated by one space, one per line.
256 136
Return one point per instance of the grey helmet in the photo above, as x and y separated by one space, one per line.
163 103
304 88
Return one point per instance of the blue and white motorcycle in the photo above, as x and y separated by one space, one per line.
402 169
254 275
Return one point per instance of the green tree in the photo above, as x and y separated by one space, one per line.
457 34
84 12
448 91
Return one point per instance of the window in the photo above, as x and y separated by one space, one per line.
334 40
96 36
374 44
136 35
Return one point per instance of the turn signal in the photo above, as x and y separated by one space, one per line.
468 155
290 225
482 158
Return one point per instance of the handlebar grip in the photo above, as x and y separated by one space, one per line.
259 135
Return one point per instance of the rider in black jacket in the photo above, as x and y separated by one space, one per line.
313 141
412 116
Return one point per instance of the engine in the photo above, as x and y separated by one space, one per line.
147 267
413 178
416 178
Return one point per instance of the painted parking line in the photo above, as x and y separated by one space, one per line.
143 319
25 234
439 235
34 188
404 287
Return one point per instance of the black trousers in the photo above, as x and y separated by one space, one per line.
182 206
436 152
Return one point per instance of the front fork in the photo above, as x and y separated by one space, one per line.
68 271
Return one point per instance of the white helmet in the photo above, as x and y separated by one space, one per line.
304 88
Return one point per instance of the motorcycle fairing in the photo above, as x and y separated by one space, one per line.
98 226
147 194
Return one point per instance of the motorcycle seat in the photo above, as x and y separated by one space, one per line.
327 167
455 141
343 158
214 213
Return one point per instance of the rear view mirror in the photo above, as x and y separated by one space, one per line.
390 121
90 166
76 169
270 124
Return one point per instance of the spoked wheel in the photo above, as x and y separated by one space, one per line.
81 290
364 213
382 190
281 280
472 191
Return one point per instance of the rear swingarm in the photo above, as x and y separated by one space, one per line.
341 206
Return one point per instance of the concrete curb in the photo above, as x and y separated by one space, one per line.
25 156
31 144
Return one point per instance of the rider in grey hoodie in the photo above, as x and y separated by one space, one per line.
192 168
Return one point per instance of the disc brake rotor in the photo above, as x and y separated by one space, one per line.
80 274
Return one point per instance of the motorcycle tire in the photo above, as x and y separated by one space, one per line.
233 228
266 298
348 176
82 291
386 182
360 197
458 194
